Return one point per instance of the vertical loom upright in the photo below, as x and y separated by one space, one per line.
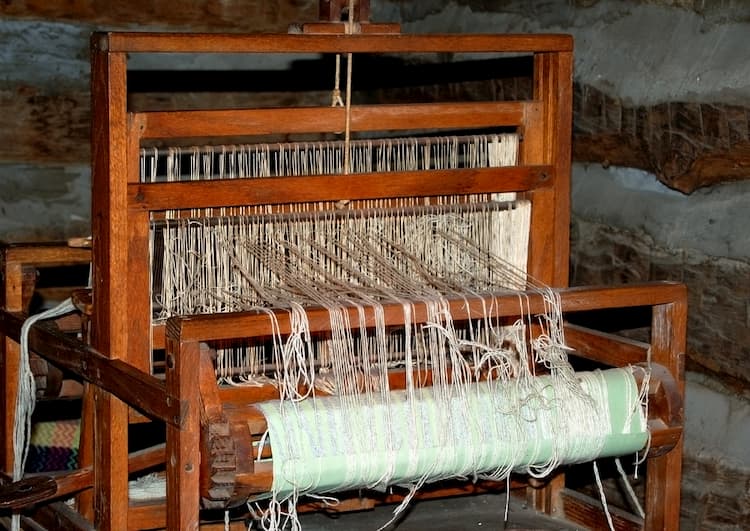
213 449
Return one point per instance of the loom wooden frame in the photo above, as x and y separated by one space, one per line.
122 342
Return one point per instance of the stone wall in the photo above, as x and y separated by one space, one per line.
662 92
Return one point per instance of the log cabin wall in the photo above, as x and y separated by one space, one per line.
44 95
661 189
661 179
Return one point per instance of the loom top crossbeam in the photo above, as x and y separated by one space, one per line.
363 43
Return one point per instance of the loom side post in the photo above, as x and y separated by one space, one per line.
10 358
668 333
550 144
10 363
105 444
183 440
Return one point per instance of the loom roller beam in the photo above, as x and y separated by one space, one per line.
233 426
664 423
234 438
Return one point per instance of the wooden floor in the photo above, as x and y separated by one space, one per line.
483 512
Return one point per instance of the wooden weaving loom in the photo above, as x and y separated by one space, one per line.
141 369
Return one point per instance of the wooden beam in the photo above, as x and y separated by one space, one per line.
44 125
139 389
207 15
283 190
604 347
252 324
10 361
663 485
238 122
109 323
364 43
183 440
44 254
587 512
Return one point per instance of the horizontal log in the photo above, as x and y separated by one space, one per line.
715 490
278 190
686 145
209 15
718 292
44 125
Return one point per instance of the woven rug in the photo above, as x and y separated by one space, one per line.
54 446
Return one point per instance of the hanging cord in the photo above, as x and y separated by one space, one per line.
603 497
629 489
336 100
349 57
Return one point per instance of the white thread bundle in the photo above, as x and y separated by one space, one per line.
244 263
363 256
26 397
327 157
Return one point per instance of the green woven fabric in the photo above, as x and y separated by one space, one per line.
335 444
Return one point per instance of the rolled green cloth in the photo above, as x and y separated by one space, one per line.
340 443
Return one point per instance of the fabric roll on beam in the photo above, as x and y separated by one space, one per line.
484 429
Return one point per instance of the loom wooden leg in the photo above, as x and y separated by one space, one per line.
183 437
544 496
18 287
85 500
663 491
9 363
668 332
110 462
